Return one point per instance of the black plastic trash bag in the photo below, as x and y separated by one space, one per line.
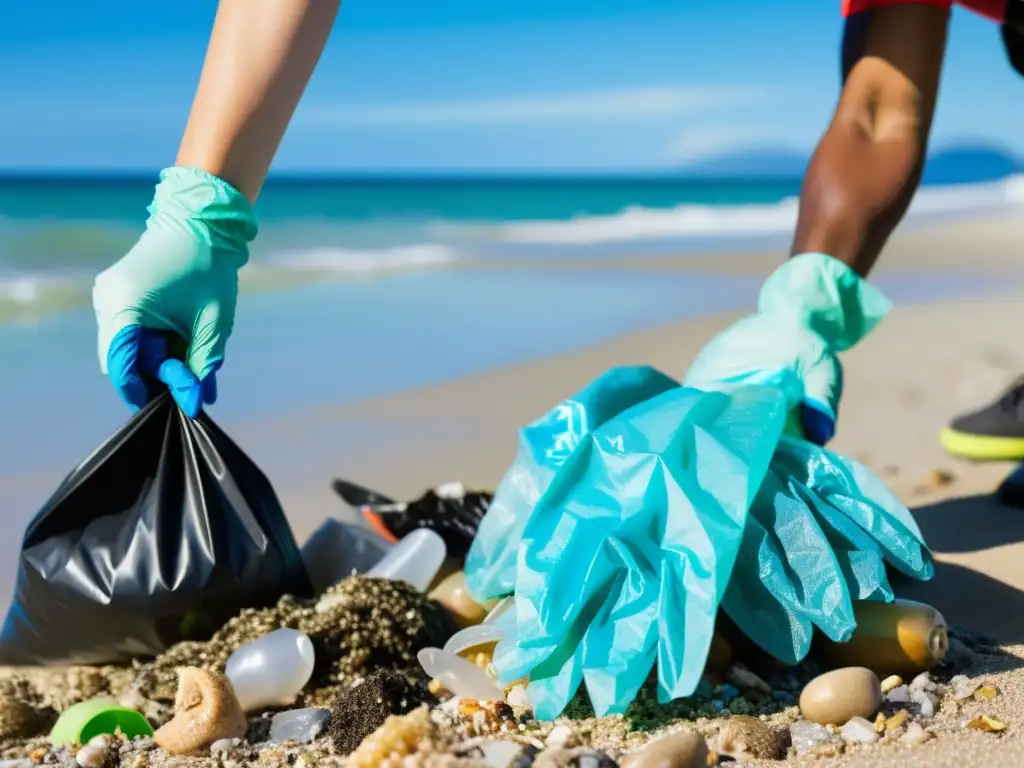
167 530
450 510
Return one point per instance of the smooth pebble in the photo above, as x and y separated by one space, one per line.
837 696
892 681
23 762
501 754
91 757
681 749
561 737
859 731
223 746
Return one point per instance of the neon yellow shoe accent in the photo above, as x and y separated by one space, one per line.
982 447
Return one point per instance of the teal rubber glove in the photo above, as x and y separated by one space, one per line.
178 285
809 309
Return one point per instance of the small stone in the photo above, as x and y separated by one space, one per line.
892 681
23 762
916 735
896 721
880 723
741 677
301 725
986 693
987 724
684 748
808 737
501 754
963 687
899 695
859 731
561 737
924 702
223 746
748 738
91 757
923 682
939 478
837 696
591 758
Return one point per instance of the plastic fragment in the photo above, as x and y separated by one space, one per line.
271 670
461 677
301 725
415 559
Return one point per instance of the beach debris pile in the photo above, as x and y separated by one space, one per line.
450 510
394 669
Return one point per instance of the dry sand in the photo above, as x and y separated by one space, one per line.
924 363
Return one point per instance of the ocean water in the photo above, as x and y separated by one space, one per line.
55 234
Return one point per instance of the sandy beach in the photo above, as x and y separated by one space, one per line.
932 358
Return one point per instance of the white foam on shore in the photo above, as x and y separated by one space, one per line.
684 221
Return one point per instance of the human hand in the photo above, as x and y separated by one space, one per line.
166 309
809 309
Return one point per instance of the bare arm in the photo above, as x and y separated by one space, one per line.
259 61
868 165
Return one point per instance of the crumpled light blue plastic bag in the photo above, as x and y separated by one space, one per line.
626 556
622 536
821 530
544 446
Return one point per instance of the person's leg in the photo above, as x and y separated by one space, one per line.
260 58
867 166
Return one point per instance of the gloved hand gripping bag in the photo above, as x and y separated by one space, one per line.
163 533
639 531
822 530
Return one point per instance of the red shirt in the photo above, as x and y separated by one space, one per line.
993 9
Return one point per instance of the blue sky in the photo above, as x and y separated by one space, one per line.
471 84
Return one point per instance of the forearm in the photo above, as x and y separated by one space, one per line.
258 63
857 189
868 165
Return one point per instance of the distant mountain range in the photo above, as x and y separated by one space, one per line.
958 164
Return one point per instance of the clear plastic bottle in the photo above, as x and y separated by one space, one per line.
271 670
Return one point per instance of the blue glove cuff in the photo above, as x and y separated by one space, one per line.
825 295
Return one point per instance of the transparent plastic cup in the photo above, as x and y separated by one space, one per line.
271 670
463 678
415 559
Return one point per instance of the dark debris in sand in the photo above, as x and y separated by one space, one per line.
363 624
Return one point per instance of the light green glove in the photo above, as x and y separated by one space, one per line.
180 279
809 309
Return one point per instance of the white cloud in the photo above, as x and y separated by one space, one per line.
627 105
693 145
